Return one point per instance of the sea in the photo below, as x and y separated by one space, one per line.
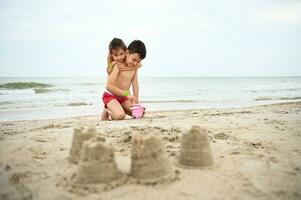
47 98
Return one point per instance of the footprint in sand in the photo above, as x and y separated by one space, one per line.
221 136
41 138
38 152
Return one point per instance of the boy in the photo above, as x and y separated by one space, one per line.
118 100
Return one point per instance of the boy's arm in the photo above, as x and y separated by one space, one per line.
135 86
111 83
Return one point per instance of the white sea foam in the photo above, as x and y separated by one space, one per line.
64 97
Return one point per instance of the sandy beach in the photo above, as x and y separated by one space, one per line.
256 151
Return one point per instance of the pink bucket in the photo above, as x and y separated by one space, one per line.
137 111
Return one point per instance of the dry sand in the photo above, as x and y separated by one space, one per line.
256 153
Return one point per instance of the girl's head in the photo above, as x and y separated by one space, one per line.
117 49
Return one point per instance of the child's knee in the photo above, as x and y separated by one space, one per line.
120 116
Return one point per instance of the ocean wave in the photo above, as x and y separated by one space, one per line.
23 85
290 98
276 90
87 84
5 103
276 98
78 104
263 98
41 90
61 90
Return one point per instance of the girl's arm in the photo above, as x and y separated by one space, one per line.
123 67
109 64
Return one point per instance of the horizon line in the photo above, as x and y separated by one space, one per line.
289 76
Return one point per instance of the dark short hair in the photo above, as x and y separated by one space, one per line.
138 47
116 43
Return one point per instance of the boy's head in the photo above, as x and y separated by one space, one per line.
117 49
135 53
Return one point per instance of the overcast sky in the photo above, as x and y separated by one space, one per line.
56 38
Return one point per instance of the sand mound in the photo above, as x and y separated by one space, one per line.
10 189
149 159
97 162
195 149
80 135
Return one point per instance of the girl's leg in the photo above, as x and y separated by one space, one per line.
115 110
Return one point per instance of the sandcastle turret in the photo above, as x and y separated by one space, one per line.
97 163
195 149
80 135
149 158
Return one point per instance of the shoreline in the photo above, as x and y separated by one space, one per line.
159 111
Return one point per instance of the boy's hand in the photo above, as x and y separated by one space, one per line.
132 98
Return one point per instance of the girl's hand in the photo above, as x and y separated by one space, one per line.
122 67
114 63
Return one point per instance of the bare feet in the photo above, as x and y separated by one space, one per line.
104 115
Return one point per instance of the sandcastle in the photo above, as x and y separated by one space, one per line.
149 159
97 162
195 149
80 135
